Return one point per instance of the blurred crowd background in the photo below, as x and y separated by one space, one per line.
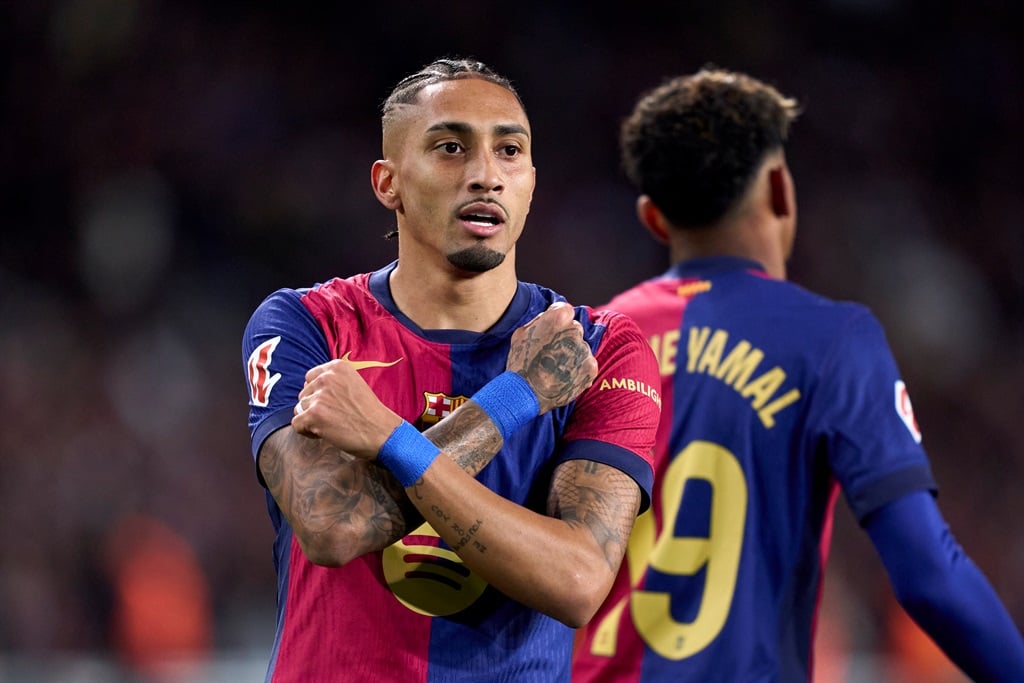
165 165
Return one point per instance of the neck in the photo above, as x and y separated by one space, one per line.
446 299
745 238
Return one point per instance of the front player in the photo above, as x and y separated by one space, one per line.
344 375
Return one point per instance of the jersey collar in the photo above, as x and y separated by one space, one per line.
711 265
511 319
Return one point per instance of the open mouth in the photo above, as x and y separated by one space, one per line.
480 219
483 219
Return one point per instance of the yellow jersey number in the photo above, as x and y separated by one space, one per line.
719 553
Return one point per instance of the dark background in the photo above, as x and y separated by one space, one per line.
164 165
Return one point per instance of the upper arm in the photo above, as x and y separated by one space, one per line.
615 421
337 507
599 498
862 411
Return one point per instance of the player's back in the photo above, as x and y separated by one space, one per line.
724 572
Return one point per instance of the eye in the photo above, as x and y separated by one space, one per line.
511 150
450 147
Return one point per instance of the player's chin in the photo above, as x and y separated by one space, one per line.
478 258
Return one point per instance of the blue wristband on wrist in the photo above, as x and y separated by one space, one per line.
407 453
509 401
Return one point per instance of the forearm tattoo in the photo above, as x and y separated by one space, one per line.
468 436
466 536
600 498
319 487
439 518
555 369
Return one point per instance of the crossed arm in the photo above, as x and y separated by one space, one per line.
562 564
340 507
341 502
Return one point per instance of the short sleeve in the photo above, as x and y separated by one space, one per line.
615 421
282 341
866 420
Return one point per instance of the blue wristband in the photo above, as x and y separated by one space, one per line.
509 401
407 453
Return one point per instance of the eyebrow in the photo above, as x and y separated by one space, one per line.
465 128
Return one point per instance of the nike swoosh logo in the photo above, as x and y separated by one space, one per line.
363 364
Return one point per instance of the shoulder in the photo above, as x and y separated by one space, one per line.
850 323
650 292
607 323
288 306
617 338
595 320
330 288
338 287
282 303
808 313
337 296
614 320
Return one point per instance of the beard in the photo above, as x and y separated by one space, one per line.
476 259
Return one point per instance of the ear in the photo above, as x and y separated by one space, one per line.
382 177
778 182
652 218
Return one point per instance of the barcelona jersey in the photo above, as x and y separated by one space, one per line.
775 400
413 612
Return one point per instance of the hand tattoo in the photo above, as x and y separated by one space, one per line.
554 369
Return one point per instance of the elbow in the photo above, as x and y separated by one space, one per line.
326 550
581 597
579 614
338 544
578 618
920 592
323 558
920 605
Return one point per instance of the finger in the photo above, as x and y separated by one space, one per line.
307 391
563 310
535 318
550 310
304 420
307 431
316 371
558 314
300 422
559 308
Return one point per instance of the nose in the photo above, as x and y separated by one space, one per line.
485 173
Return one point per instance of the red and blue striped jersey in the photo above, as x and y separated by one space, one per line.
774 400
413 612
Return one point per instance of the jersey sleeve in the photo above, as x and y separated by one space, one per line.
945 593
872 437
282 341
616 419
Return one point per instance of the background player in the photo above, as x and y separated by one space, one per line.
774 400
340 372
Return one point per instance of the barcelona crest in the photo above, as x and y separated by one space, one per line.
439 406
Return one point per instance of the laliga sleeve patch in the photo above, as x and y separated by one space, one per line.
260 379
906 411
